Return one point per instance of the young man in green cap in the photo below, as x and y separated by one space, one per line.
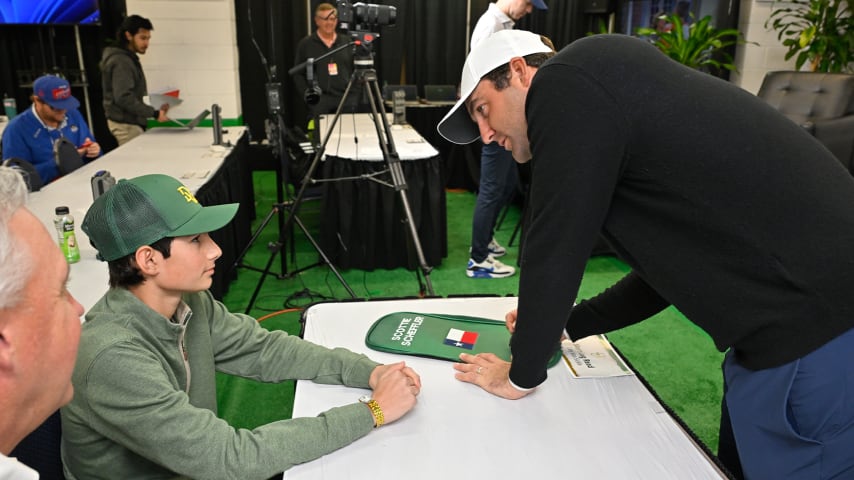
145 388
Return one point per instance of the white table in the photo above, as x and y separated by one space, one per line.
610 428
184 154
410 145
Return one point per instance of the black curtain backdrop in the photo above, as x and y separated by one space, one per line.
434 42
427 45
562 22
267 35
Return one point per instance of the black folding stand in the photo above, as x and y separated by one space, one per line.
276 136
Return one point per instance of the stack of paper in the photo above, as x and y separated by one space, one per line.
593 356
169 96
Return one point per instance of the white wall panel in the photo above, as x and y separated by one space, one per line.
193 48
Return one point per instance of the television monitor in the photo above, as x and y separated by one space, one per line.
49 12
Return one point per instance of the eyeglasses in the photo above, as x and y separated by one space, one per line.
330 17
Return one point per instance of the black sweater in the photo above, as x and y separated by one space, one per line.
721 206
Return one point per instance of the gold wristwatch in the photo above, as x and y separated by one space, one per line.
379 419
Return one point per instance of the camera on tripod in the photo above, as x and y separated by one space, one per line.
364 16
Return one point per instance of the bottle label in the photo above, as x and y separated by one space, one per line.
69 244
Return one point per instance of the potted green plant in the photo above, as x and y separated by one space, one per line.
820 32
698 45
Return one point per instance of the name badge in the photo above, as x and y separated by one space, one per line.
333 69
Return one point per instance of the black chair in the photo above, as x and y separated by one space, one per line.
822 103
28 171
40 450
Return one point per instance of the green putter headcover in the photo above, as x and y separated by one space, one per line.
441 336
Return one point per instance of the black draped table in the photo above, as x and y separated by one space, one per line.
363 220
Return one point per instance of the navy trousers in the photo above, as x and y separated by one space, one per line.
795 421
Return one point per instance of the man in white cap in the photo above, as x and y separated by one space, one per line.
721 206
498 172
33 135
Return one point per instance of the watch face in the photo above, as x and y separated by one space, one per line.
365 398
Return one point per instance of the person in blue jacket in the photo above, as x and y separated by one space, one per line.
32 135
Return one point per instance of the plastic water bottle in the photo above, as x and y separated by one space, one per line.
398 102
10 106
64 223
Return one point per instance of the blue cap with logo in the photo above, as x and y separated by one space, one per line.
55 91
539 4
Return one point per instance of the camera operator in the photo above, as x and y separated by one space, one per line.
332 73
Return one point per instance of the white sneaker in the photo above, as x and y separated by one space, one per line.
489 268
495 249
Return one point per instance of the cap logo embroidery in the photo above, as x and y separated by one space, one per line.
61 93
187 194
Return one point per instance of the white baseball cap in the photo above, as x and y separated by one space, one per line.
489 54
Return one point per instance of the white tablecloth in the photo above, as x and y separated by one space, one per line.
354 136
610 428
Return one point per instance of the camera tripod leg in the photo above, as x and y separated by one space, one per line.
295 203
393 161
276 247
238 262
324 257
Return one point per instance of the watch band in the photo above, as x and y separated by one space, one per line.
377 412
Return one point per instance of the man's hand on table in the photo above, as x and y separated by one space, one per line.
490 373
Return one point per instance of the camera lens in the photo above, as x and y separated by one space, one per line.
374 15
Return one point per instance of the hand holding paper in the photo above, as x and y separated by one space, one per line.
169 97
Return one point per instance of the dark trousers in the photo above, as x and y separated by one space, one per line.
795 421
498 181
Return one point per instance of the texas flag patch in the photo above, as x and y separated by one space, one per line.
461 339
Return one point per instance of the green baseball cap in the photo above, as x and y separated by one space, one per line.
143 210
